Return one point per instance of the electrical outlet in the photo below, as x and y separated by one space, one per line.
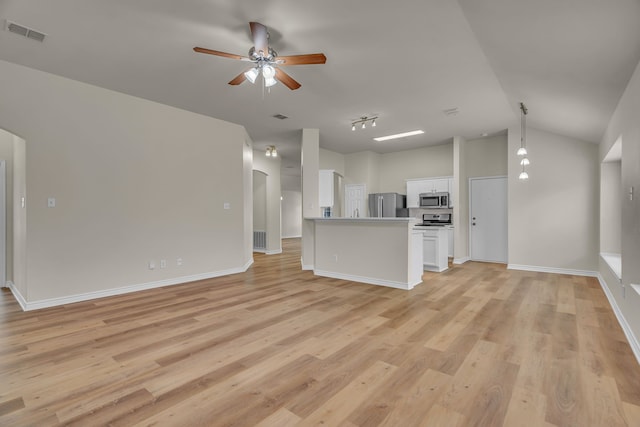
152 265
179 261
163 263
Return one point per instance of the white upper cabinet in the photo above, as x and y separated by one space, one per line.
415 187
325 190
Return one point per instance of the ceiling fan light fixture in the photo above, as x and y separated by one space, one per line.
373 123
268 72
269 81
353 126
252 74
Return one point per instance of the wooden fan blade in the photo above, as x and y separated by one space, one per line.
219 53
312 58
260 38
238 79
287 80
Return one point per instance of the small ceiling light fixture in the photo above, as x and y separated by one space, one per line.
363 122
522 151
271 151
399 135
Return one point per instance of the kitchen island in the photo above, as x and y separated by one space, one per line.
378 251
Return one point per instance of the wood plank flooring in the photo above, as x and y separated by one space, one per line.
477 345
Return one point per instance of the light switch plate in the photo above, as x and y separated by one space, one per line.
227 205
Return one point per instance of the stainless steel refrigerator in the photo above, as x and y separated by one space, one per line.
383 205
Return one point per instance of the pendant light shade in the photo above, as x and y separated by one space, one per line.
252 74
522 151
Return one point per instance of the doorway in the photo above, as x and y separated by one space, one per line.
259 211
354 198
488 219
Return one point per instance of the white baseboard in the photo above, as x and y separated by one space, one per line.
461 260
274 252
368 280
552 270
53 302
633 341
17 295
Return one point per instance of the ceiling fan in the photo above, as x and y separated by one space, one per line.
266 60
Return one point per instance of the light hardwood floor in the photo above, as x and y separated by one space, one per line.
477 345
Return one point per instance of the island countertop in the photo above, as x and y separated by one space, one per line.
379 251
386 219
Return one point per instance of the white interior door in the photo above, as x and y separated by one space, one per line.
488 219
355 200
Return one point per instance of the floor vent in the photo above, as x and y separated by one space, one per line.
260 240
21 30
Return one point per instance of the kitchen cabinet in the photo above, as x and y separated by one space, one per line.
434 249
415 187
325 191
450 239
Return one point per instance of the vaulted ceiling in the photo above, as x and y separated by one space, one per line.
569 61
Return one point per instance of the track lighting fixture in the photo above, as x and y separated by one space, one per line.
271 151
362 121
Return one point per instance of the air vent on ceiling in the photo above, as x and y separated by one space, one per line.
280 116
451 111
27 32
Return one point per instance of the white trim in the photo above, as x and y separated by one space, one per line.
461 260
17 295
53 302
554 270
613 261
293 237
260 251
369 280
631 338
274 252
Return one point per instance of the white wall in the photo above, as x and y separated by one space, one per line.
134 181
487 157
6 154
553 216
291 214
625 124
19 276
611 207
259 201
331 160
396 168
363 168
461 200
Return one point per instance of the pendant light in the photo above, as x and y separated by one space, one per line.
522 151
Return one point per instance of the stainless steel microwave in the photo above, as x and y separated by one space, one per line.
434 200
